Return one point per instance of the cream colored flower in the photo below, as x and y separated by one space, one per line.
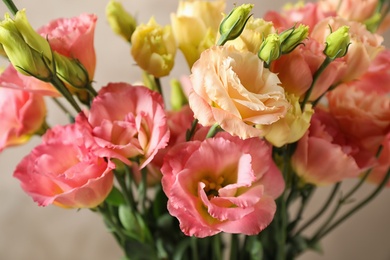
233 89
195 26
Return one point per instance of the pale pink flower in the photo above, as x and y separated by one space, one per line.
74 38
362 115
64 171
233 89
296 70
71 37
308 14
223 184
377 77
354 10
130 121
324 155
22 114
364 47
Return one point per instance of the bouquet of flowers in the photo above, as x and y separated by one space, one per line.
273 109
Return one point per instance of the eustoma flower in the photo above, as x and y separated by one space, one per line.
22 114
325 139
233 89
195 26
130 121
154 48
64 171
222 184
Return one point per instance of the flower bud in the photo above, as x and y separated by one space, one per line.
234 23
337 43
154 48
120 21
178 98
291 38
71 71
270 49
28 52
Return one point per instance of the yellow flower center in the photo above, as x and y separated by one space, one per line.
212 187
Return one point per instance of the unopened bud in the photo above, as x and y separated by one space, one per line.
28 52
337 43
71 71
120 21
270 49
291 38
234 23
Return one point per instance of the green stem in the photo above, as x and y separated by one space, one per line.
234 243
63 108
91 90
194 248
305 198
281 227
157 81
316 75
356 208
217 247
60 86
11 6
213 131
190 132
112 225
128 195
321 211
142 189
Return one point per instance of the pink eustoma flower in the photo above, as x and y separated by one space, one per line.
64 171
325 155
309 14
74 38
362 115
22 114
130 121
222 184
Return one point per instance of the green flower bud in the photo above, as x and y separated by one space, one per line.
178 98
234 23
71 71
29 52
337 43
121 22
291 38
270 49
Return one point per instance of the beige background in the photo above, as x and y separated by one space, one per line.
30 232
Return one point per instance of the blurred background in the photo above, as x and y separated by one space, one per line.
35 233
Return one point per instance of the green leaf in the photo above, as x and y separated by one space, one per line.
127 218
115 198
136 250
